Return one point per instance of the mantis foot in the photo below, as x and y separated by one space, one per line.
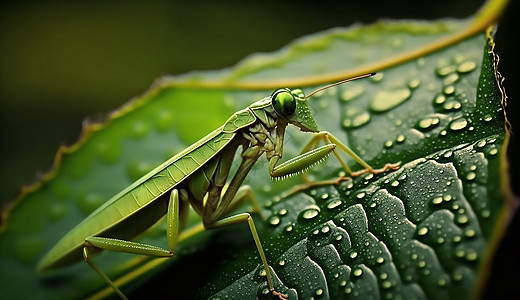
387 167
309 184
280 295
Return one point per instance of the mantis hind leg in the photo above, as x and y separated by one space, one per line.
245 192
172 231
246 217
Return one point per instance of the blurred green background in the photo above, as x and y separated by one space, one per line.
61 61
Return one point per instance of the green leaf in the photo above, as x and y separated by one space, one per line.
425 230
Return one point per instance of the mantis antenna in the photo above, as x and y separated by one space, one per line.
340 82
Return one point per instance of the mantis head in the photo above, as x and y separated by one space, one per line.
292 105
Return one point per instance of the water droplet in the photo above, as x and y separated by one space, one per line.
386 100
349 185
441 282
137 168
457 276
262 272
325 229
324 196
108 151
400 138
389 144
470 233
422 231
437 200
274 221
361 195
445 70
466 67
378 77
352 92
356 120
380 260
164 120
281 263
451 105
428 123
449 90
471 176
462 219
460 253
288 228
310 213
471 256
56 211
89 202
282 212
318 292
451 79
458 124
440 240
493 151
334 203
353 254
386 284
139 130
414 83
266 188
439 99
358 272
481 143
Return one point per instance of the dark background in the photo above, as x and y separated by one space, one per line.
61 61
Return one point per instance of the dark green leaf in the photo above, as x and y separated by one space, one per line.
426 229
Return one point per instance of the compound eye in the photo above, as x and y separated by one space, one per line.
284 103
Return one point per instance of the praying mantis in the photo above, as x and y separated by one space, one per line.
198 177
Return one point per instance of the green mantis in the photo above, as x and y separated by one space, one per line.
197 177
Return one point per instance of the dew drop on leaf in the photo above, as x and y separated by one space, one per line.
310 213
387 100
458 124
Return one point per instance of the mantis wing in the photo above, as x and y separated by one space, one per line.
141 195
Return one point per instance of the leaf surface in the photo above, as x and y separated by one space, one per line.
425 230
